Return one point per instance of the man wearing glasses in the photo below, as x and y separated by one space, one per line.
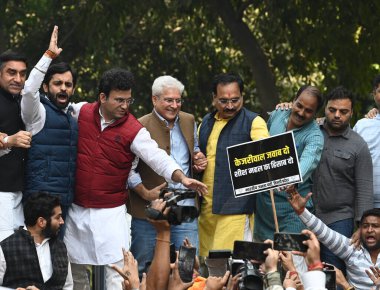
225 218
175 132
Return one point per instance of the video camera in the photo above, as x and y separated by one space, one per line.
178 213
239 262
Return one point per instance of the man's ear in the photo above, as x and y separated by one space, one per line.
41 222
154 100
45 88
102 98
213 99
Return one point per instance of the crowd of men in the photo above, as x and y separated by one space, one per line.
73 174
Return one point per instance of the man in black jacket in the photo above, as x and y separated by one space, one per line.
12 78
33 256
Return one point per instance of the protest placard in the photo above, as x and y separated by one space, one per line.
261 165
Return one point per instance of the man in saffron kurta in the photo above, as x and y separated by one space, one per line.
225 218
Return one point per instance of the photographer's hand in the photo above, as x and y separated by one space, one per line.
233 282
160 225
313 258
271 260
217 283
147 194
175 282
286 258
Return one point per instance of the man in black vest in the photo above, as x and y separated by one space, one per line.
13 68
225 218
33 256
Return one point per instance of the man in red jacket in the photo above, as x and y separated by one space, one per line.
109 139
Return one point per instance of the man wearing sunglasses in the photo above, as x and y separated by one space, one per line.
225 218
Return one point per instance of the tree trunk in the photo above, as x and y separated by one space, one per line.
257 60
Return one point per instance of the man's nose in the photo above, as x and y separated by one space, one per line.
18 78
229 105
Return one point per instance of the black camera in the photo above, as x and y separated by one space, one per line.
251 278
178 214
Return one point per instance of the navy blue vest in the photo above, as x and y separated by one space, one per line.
236 131
52 157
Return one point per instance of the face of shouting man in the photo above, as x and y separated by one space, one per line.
60 89
370 232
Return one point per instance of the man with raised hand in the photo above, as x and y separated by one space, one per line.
357 262
50 118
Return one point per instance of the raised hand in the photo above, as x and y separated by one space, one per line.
298 202
53 44
374 275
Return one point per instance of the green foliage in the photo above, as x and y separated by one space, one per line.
326 43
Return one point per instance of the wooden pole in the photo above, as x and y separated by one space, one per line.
274 210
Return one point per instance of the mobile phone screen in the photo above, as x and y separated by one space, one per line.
173 254
219 254
186 261
250 250
290 242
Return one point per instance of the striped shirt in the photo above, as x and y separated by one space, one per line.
369 129
357 261
309 144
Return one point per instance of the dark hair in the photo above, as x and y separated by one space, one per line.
311 90
40 204
340 93
376 82
10 55
370 212
227 78
116 79
59 68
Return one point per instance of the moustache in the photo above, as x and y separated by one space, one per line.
226 110
63 94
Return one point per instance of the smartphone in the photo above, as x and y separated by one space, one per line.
290 242
250 250
219 254
186 262
173 254
329 270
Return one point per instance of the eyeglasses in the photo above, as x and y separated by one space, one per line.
171 101
233 101
122 101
